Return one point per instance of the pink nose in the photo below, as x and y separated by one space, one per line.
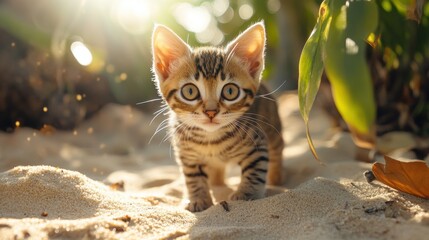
211 113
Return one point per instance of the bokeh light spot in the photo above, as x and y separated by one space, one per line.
227 16
273 6
194 19
123 76
81 53
212 35
245 11
219 7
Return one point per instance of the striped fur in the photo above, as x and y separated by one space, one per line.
245 131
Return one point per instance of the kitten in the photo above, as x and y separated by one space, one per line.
216 114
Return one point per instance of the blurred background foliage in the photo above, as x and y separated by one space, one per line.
400 66
375 56
61 61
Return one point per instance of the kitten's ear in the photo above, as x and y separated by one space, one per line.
250 47
167 47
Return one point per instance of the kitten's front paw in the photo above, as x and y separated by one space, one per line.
199 205
246 196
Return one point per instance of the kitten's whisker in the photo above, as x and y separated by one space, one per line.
250 136
248 113
230 55
159 112
242 126
278 88
250 116
162 109
170 133
231 127
254 122
264 122
264 97
149 101
159 130
186 127
257 116
163 125
241 129
238 127
174 131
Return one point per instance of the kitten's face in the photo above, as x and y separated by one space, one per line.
208 87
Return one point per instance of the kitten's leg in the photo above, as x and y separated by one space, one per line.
198 189
275 168
253 175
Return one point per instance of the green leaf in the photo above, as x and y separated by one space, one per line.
311 68
347 69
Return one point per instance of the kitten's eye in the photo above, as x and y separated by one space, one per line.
190 92
230 92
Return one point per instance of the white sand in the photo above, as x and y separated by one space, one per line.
40 199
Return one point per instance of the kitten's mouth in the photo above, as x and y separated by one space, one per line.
211 122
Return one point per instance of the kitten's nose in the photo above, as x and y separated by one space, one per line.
211 113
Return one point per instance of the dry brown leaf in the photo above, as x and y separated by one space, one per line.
411 177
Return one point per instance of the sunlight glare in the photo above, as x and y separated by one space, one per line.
133 15
81 53
194 19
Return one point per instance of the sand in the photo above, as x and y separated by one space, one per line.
105 181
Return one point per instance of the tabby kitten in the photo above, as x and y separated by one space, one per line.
218 113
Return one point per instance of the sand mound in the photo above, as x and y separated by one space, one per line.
72 197
50 202
55 202
36 190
